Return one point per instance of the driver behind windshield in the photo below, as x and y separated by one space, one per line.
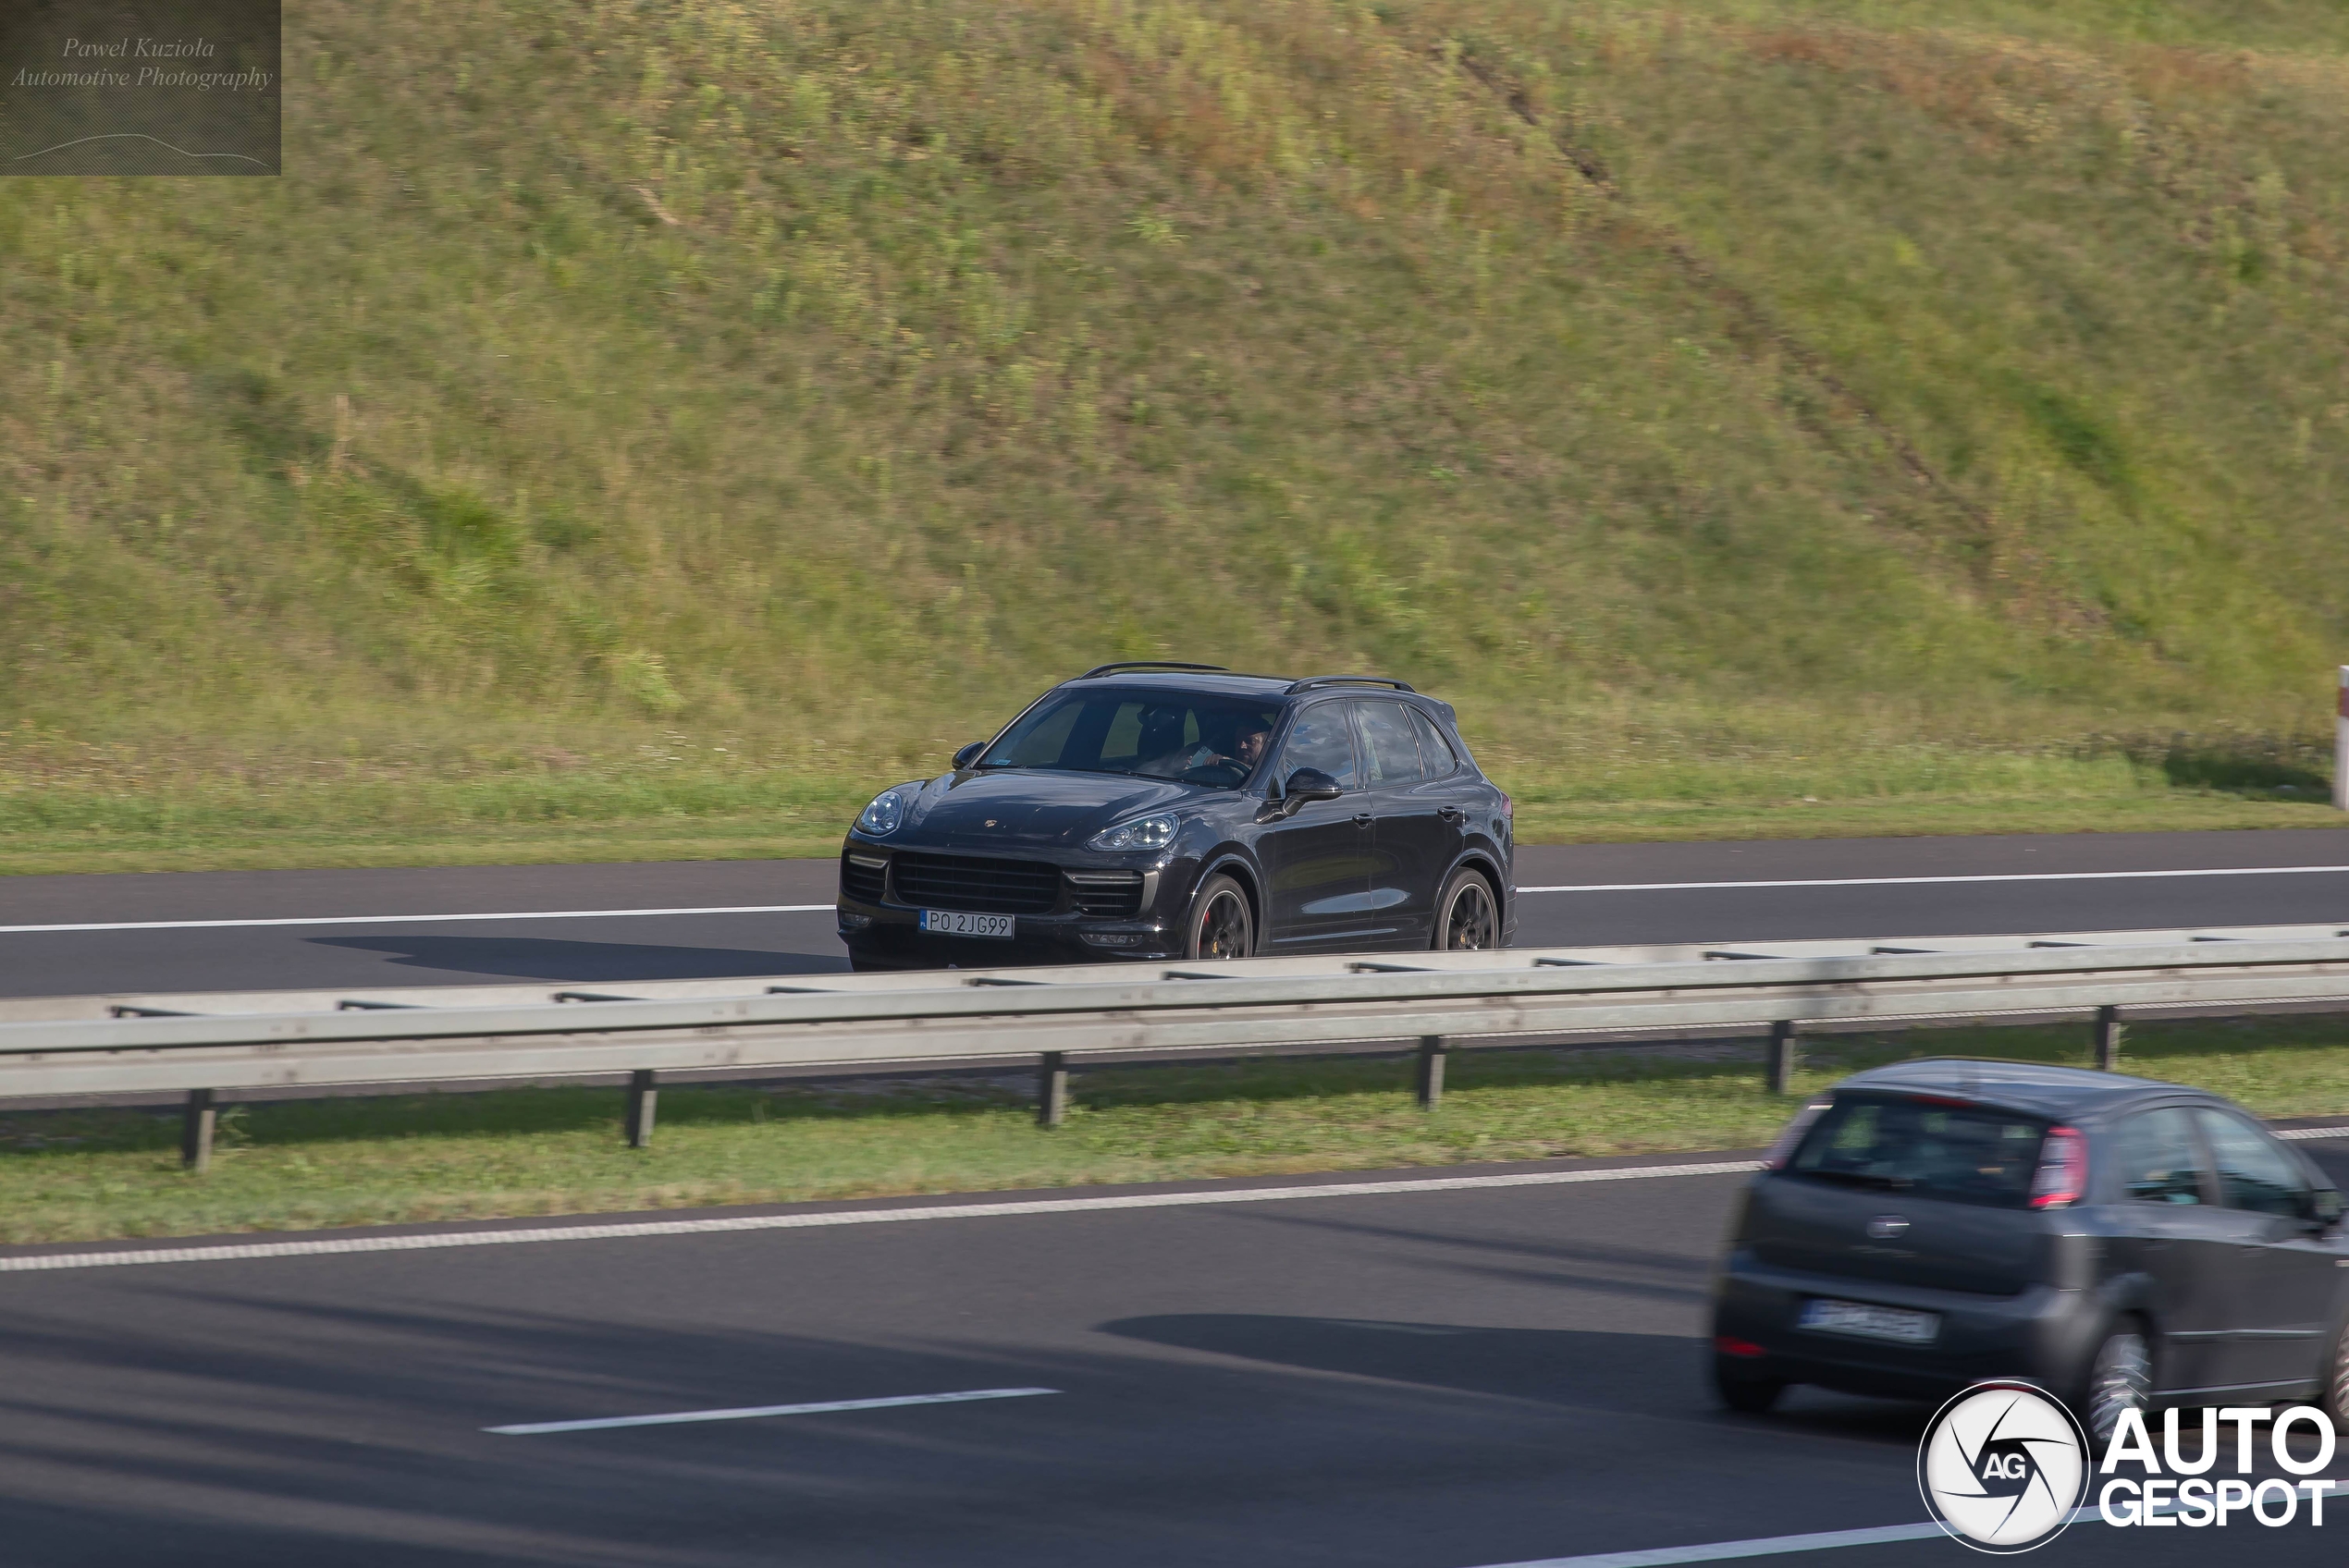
1245 741
1247 746
1212 742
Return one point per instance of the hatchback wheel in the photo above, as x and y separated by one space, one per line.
2120 1379
1467 918
1221 923
2335 1391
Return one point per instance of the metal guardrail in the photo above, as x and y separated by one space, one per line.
206 1046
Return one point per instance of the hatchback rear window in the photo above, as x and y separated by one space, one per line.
1962 1154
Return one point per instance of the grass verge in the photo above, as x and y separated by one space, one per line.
503 799
763 392
91 1175
779 835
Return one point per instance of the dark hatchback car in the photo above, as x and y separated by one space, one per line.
1155 811
2118 1241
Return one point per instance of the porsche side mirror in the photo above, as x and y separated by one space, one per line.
2325 1207
1307 784
968 754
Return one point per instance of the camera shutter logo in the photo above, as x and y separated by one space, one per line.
2003 1467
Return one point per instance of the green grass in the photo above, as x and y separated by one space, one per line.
502 798
88 1175
1922 407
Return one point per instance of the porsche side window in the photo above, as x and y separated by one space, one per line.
1320 741
1436 750
1387 743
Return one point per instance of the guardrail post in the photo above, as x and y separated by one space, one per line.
1784 1055
644 1100
1052 1090
1431 1086
195 1131
2341 746
2109 1033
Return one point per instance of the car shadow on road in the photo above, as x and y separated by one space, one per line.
250 1421
1628 1374
549 958
1556 1262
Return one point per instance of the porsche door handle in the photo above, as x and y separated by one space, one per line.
1451 814
1363 819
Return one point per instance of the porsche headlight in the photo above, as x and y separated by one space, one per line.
886 814
1142 833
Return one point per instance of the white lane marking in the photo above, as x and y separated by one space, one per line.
1774 1545
1765 1546
1718 1552
2311 1131
813 909
1919 881
411 919
631 1229
680 1417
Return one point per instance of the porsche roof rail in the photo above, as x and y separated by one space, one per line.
1148 664
1310 682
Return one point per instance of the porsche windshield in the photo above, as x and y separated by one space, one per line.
1189 736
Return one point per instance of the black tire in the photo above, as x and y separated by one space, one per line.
1222 924
2332 1385
1746 1396
2119 1376
1468 917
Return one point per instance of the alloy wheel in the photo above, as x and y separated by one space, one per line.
1224 927
2121 1379
1470 922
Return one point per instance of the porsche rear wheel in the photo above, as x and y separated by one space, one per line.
1466 917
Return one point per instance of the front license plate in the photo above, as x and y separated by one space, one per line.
953 922
1868 1322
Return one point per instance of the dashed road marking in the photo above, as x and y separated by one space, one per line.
752 1411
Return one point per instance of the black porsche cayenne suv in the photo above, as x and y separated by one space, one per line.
1158 811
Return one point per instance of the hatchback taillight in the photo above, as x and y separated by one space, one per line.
1783 1150
2063 1178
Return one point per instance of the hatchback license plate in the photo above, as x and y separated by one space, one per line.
953 922
1868 1322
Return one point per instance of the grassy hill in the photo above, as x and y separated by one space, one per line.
638 427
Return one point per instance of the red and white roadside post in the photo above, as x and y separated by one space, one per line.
2341 746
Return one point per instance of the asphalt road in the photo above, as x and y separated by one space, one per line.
1872 887
1423 1379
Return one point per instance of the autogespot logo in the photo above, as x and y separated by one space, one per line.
2003 1467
